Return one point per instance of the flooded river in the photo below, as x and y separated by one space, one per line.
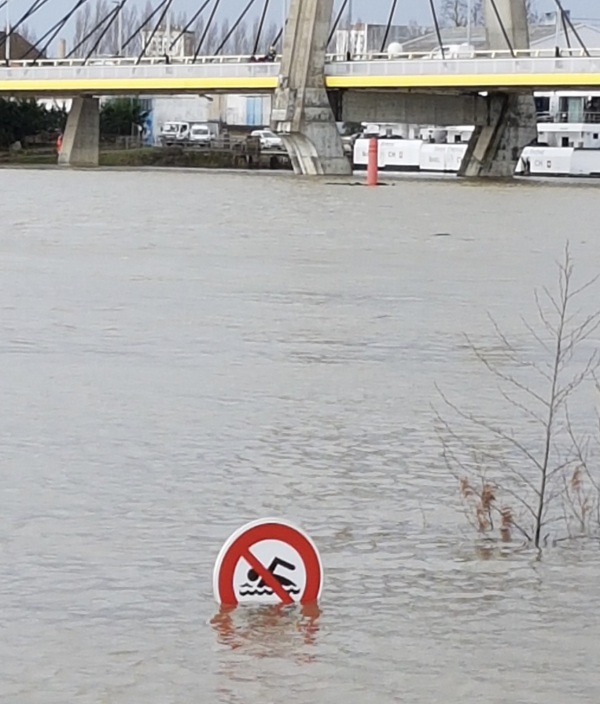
184 352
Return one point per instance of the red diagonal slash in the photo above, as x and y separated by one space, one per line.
267 577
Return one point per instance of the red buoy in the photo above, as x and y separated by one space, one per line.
372 170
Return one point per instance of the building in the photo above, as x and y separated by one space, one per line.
558 37
159 43
364 39
239 113
20 48
545 35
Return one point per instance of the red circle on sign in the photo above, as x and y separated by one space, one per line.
239 547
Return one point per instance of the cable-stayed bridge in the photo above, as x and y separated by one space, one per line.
489 88
482 71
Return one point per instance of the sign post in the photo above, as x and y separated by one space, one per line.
269 561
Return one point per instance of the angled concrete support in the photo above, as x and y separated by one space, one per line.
80 146
496 146
301 108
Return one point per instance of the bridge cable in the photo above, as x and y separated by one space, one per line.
12 28
389 25
33 47
437 28
235 25
116 12
37 5
146 44
567 18
566 31
336 23
278 36
208 26
502 28
41 39
53 32
90 34
140 27
190 23
261 25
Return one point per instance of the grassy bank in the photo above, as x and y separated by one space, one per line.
152 156
29 156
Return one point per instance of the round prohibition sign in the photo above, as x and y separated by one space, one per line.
268 562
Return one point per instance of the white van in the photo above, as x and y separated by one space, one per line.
202 135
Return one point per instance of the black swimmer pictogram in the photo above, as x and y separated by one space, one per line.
261 588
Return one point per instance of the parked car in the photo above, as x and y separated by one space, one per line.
202 135
268 139
174 133
188 133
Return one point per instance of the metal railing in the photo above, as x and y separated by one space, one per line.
482 70
466 66
587 117
133 61
57 70
461 54
452 57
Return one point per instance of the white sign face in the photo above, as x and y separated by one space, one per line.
268 562
282 561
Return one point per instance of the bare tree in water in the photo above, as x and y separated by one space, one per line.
535 477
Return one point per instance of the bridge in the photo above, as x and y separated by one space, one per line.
491 89
484 71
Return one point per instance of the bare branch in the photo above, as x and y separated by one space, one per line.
562 489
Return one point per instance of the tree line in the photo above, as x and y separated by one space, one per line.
23 119
455 13
20 119
125 35
109 39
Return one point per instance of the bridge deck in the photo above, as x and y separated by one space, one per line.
238 74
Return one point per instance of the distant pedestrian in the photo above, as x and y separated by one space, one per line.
59 142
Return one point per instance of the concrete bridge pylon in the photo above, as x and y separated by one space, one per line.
301 109
496 146
80 145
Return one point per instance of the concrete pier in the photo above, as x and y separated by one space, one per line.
496 146
81 139
301 109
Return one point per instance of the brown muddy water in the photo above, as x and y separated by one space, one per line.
184 352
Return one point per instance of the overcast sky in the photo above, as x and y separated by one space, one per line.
368 10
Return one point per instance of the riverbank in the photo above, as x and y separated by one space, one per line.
156 156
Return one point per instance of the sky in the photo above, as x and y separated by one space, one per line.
367 10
